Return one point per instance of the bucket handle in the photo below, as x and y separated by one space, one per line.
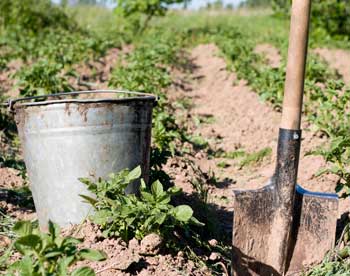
11 102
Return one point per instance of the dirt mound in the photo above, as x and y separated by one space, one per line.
135 257
338 59
271 54
10 179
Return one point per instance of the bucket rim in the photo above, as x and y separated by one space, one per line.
13 104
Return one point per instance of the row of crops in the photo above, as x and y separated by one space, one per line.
147 68
50 46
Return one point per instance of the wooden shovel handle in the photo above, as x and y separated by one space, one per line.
297 51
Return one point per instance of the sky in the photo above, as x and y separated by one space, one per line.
195 4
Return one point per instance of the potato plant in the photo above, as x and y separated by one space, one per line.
131 216
44 254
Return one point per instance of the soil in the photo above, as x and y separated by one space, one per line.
134 257
271 53
233 118
95 75
338 59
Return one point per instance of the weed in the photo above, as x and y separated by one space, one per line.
6 225
130 216
231 154
256 157
48 253
223 165
337 260
331 119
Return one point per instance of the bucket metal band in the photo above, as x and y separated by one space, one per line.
135 95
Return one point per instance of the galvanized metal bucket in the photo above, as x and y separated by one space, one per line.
66 139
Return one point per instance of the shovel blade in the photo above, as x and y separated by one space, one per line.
314 228
257 244
254 211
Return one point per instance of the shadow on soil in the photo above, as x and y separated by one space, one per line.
21 198
341 223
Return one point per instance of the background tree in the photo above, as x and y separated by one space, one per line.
218 4
135 10
87 2
330 16
256 3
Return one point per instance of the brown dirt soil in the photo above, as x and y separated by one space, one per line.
9 180
6 82
338 59
94 75
271 53
134 258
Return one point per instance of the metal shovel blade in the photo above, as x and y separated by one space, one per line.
257 243
314 228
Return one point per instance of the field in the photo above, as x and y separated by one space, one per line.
219 76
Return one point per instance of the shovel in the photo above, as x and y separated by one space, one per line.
282 228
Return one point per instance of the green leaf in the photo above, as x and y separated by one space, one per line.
143 185
101 217
183 213
86 181
160 218
196 222
147 197
89 200
69 241
321 172
25 266
157 189
93 255
23 228
134 174
165 199
174 190
83 271
54 230
53 254
31 241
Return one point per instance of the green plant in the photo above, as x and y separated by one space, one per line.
6 224
255 157
133 9
33 15
329 15
42 78
231 154
331 117
336 262
223 164
129 215
45 254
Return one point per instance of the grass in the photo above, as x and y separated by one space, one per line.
255 157
244 159
6 224
232 154
94 18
